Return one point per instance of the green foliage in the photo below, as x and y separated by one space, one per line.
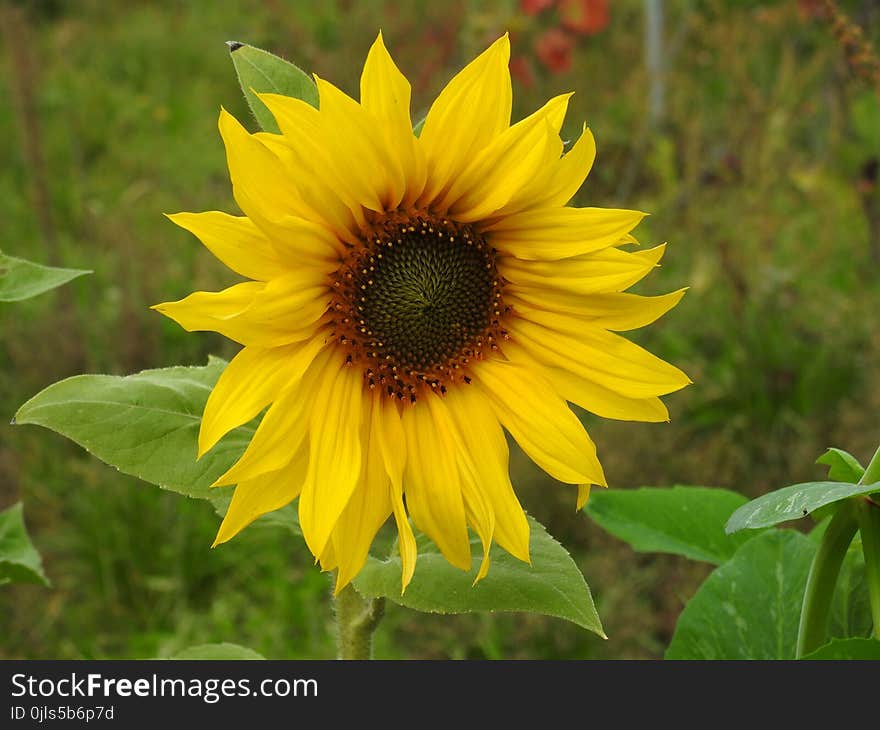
553 585
749 607
260 71
146 424
686 521
842 466
222 651
850 607
792 503
19 560
847 649
20 279
755 187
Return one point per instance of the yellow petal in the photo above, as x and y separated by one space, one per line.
548 234
385 93
298 241
433 486
484 440
327 559
287 310
372 168
367 510
605 358
323 196
478 509
406 541
335 450
557 184
235 240
277 438
617 311
265 493
540 421
391 440
254 378
609 270
284 310
502 169
595 398
590 395
469 113
214 311
261 185
583 496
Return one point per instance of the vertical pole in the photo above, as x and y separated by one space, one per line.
654 61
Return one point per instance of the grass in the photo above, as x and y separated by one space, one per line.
756 177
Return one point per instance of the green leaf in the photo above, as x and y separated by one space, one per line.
843 466
847 649
417 129
218 651
750 607
264 72
19 560
850 605
146 424
553 585
794 502
20 279
680 520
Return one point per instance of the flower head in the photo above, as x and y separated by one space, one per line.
410 298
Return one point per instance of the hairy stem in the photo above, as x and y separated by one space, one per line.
356 620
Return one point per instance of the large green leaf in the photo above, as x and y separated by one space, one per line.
685 521
264 72
218 651
20 279
552 585
847 649
145 424
19 560
842 466
750 607
791 503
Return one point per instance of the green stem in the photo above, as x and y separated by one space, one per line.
838 535
872 473
869 526
356 620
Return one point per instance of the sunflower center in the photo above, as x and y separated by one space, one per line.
417 303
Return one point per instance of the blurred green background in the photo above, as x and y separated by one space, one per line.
742 127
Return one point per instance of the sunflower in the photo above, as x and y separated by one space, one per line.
410 299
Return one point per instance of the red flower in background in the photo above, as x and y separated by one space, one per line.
586 17
811 9
521 69
553 49
533 7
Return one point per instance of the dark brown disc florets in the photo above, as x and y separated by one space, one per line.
417 303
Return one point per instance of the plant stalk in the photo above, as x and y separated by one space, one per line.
356 620
869 526
813 629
